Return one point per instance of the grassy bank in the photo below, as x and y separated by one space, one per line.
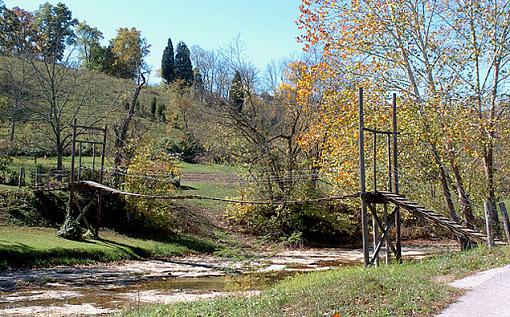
412 289
27 247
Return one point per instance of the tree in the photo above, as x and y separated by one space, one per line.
129 49
101 59
61 91
236 92
17 32
207 63
446 58
198 83
55 26
183 67
168 64
88 40
161 112
17 38
153 107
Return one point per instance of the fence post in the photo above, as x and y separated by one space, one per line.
504 218
361 148
21 176
488 223
398 241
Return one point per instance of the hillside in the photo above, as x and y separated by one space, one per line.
92 97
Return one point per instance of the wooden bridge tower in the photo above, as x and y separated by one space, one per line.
370 199
76 174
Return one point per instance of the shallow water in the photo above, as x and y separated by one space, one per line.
105 289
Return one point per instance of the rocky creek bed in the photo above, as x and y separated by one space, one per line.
106 289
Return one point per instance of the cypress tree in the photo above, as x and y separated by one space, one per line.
236 93
161 112
183 67
153 106
168 63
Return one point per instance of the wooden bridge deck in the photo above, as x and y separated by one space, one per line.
433 217
380 196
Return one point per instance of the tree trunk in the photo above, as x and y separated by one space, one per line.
60 151
445 184
11 133
447 195
121 132
443 176
465 204
490 190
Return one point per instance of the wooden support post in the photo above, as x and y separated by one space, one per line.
385 219
361 147
101 176
398 242
73 150
389 186
73 154
504 219
488 223
20 177
80 148
375 235
374 163
93 161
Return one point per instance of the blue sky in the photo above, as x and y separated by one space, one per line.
265 26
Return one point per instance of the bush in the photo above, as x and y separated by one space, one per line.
29 208
5 161
151 172
325 223
187 148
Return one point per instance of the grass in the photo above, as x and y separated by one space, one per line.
209 168
209 186
413 289
211 189
28 247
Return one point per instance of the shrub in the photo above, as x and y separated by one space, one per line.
5 161
187 148
325 223
151 172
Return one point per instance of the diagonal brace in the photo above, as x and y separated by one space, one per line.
385 231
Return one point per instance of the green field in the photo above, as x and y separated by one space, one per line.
27 247
220 169
411 289
21 246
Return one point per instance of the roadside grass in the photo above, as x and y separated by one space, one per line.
416 288
29 247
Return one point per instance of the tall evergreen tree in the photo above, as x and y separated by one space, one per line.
161 112
153 106
183 67
236 92
168 63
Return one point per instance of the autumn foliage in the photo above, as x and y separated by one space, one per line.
448 63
